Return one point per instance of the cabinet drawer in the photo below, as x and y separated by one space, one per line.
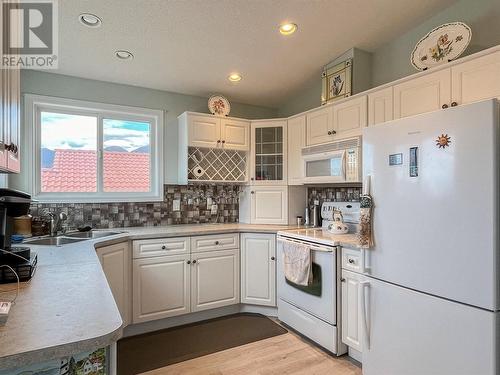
352 260
161 247
214 242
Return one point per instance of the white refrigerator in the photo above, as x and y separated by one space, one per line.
431 291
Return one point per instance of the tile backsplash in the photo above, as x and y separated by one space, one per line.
333 194
193 208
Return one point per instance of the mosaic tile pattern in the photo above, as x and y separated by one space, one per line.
333 194
193 209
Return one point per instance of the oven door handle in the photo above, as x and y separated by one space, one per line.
312 246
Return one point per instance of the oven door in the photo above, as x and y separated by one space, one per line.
326 167
319 298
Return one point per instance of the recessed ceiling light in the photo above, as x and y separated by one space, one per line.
90 20
234 77
124 55
288 28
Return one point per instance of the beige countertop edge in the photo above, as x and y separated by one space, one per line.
59 351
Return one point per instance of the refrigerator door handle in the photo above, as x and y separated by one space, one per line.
365 268
366 326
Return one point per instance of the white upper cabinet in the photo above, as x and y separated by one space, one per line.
296 140
258 269
217 132
476 79
269 205
235 134
268 155
203 131
423 94
10 103
215 279
319 126
350 117
380 106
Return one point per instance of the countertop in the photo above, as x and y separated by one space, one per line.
67 307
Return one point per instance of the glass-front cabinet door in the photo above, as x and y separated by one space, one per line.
269 157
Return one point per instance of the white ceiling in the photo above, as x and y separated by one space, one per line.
190 46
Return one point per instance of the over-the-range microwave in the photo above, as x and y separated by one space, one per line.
333 162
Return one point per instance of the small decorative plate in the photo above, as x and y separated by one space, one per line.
219 105
441 45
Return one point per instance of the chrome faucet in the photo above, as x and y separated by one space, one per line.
55 222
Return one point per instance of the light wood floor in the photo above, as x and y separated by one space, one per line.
284 354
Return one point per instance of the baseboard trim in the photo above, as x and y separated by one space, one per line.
355 354
264 310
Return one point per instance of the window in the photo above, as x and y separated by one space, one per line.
90 152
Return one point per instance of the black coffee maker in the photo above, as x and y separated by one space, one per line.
14 203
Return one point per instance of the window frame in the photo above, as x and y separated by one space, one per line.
35 104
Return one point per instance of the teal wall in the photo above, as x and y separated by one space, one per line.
174 104
392 60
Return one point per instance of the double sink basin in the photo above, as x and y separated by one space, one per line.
71 238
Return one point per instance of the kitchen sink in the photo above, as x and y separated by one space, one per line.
54 241
91 234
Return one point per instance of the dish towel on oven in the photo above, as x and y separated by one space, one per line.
297 263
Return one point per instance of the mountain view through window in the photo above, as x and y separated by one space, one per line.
69 154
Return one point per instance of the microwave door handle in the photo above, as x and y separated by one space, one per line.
344 167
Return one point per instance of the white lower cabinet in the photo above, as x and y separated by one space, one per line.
171 285
215 279
351 311
258 269
115 262
161 287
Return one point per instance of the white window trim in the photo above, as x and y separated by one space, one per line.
33 104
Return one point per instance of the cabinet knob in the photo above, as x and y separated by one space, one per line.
351 261
329 133
217 242
223 141
454 104
273 258
251 178
218 141
194 261
334 132
342 280
444 106
188 262
163 247
252 192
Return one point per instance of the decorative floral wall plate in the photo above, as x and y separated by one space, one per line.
219 105
441 45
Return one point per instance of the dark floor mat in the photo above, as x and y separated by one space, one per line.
162 348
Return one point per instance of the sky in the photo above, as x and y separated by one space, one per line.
68 131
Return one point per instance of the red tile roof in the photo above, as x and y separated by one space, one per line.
76 171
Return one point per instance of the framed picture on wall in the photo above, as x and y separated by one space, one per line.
336 81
